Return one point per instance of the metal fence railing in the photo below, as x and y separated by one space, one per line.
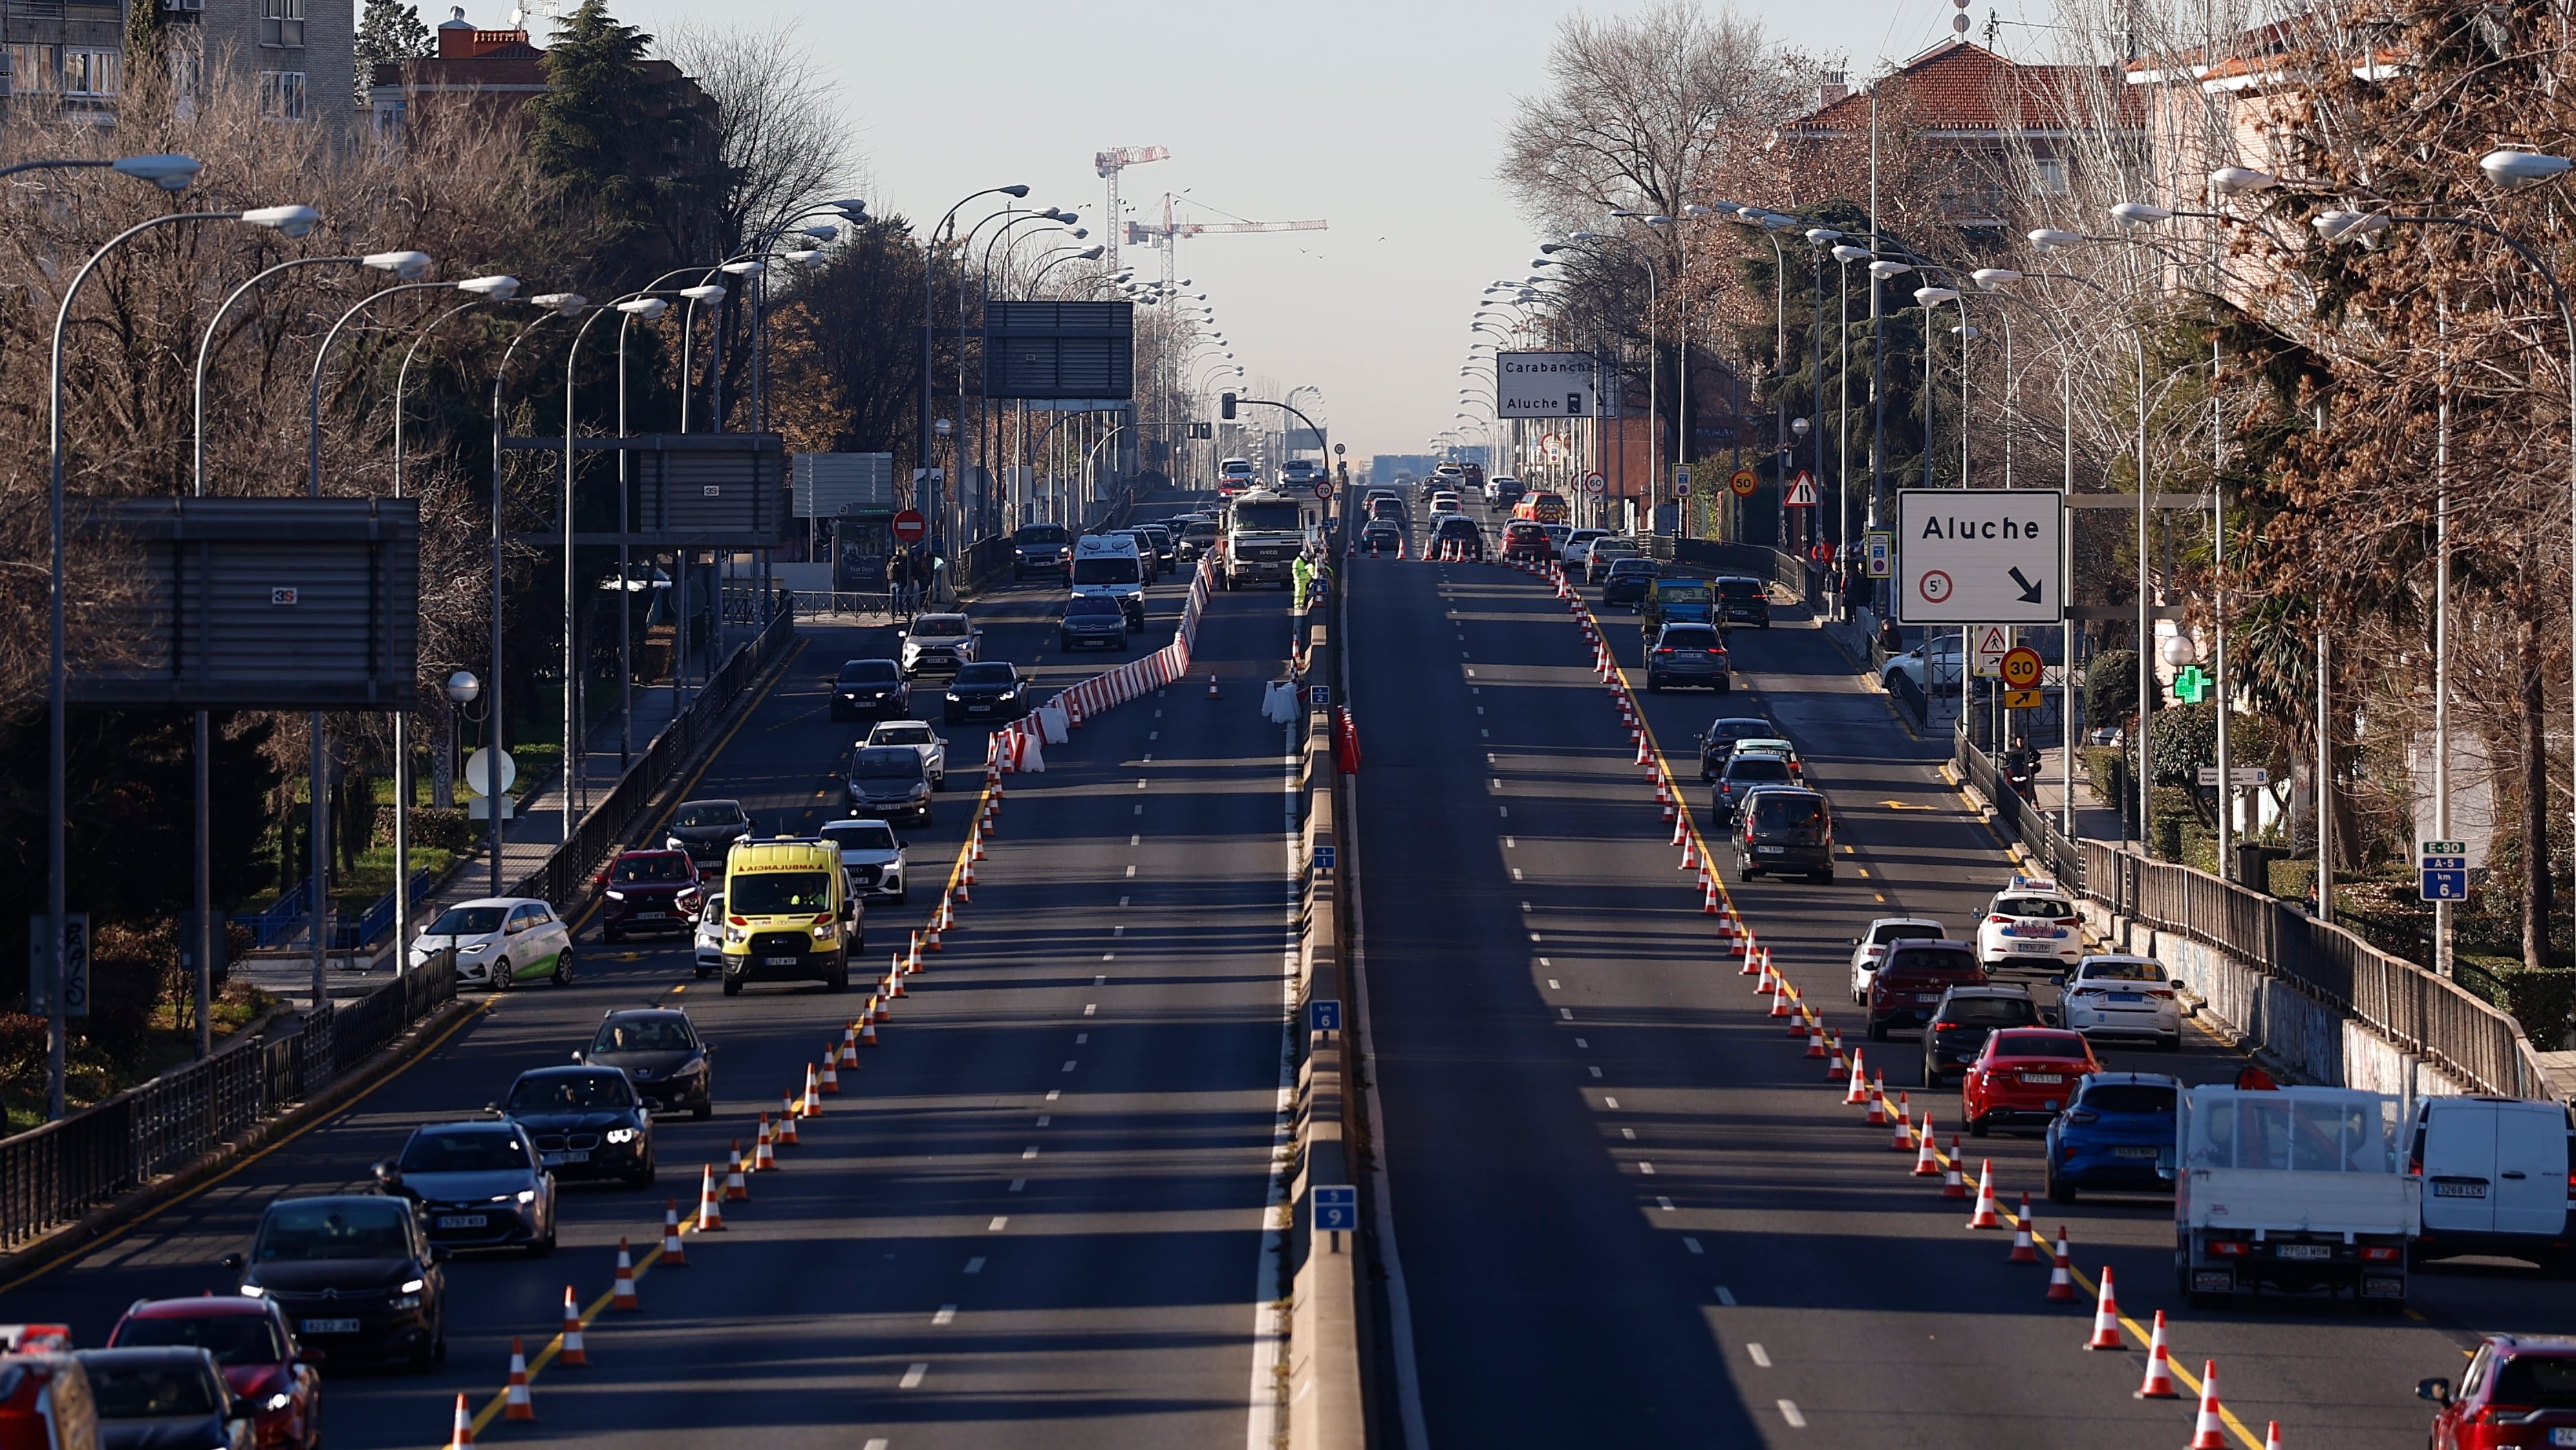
2419 1010
53 1174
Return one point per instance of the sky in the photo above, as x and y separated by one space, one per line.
1383 118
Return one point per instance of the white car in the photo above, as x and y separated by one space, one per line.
1601 554
941 642
1933 665
2118 996
918 735
872 859
1870 947
501 942
1576 550
2031 924
710 935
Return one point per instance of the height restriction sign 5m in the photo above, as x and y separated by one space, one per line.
1980 556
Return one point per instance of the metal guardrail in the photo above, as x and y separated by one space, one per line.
53 1174
2420 1011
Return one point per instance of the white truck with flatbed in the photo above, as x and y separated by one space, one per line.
1264 534
2300 1190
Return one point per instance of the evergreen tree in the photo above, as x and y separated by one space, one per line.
390 30
598 126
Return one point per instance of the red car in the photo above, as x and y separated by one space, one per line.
2025 1074
1527 541
2519 1389
249 1339
649 891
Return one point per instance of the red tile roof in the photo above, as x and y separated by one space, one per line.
1962 86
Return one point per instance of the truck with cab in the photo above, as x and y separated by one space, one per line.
1264 534
2300 1190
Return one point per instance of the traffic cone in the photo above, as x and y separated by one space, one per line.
814 1094
1926 1161
2023 1250
1681 835
1952 1186
764 1152
868 1034
518 1405
894 986
1690 852
1212 684
710 1203
912 956
2271 1435
787 1115
850 1047
1708 902
2061 1276
463 1434
1757 964
2209 1432
1838 1069
1878 1100
930 938
621 1293
1799 1016
831 1069
1858 1092
735 1189
1780 998
2159 1383
1901 1140
878 1011
2106 1317
1984 1215
1726 936
674 1256
571 1353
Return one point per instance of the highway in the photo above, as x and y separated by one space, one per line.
1033 1216
1624 1194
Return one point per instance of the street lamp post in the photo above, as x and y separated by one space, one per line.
627 308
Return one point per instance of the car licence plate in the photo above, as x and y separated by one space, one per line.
2147 1152
1770 850
330 1326
2128 997
2304 1251
2562 1435
463 1220
569 1155
778 961
2043 1077
2032 946
2459 1190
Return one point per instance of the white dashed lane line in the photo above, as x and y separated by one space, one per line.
947 1315
975 1265
1758 1355
913 1376
1789 1412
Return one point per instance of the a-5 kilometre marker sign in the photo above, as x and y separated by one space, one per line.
1980 556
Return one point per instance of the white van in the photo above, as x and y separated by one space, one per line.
2496 1181
1110 565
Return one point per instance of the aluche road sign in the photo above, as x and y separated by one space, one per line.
1980 556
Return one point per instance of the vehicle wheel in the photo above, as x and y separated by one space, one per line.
2206 1301
2059 1190
699 972
1878 1032
2170 1044
839 978
1824 877
939 781
563 968
646 1177
1654 684
707 1109
1978 1128
501 976
544 1247
611 936
732 985
903 896
1746 872
1726 687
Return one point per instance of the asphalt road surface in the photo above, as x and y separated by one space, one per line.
1035 1214
1627 1207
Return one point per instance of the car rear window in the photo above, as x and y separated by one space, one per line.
1678 638
1740 589
2039 1044
2544 1381
1990 1012
2130 1097
1932 962
1757 767
2123 972
1904 931
2051 907
1787 811
231 1338
1673 591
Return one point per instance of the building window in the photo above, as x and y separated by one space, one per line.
32 70
281 22
91 72
281 95
2049 173
183 4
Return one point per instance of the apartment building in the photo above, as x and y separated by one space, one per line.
301 54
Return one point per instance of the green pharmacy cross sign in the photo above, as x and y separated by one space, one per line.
2191 684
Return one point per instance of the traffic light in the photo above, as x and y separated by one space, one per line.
1225 405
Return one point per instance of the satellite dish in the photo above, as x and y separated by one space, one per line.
518 17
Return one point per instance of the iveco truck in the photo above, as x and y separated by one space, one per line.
1264 533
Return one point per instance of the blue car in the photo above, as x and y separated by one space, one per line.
2117 1136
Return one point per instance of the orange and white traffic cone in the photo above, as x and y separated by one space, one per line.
1726 937
710 1203
1708 901
1878 1100
621 1293
878 1011
1681 833
1858 1092
1799 1016
1926 1157
2209 1432
787 1119
868 1033
832 1069
1952 1185
463 1433
2061 1274
1901 1140
912 956
895 987
930 938
1815 1036
2159 1383
813 1093
572 1352
1211 694
1837 1070
1757 965
850 1047
1780 997
518 1404
2271 1435
674 1255
1984 1215
2023 1250
2106 1318
763 1158
1690 852
735 1189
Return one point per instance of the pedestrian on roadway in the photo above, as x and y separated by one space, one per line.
1303 573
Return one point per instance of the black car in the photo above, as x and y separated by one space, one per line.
1091 619
1166 547
354 1273
1742 600
479 1185
168 1398
1041 549
1382 537
1629 580
707 829
658 1047
870 690
1458 533
1960 1022
1717 742
588 1122
889 782
990 690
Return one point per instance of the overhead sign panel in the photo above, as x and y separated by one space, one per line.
1060 350
1547 385
1980 556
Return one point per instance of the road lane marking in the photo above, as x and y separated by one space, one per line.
1054 1093
1153 734
1610 1102
1118 931
1090 1007
1045 1118
1596 1072
1509 843
879 1443
1567 1013
1018 1183
1082 1039
1544 962
1628 1133
1140 785
975 1265
1758 1355
1140 810
1133 841
1693 1246
1724 1297
1101 980
1552 986
1131 870
1533 936
913 1376
1122 901
1663 1203
1028 1152
999 1223
947 1315
1789 1412
1109 956
1586 1046
1507 812
1068 1064
1646 1168
1516 873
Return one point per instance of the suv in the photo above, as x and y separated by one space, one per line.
870 687
872 856
1461 531
1742 600
2031 924
1041 549
1911 980
648 891
2022 1074
2117 1134
1525 540
1961 1020
1743 775
1091 619
939 644
1784 829
1717 742
2519 1389
1686 654
1931 665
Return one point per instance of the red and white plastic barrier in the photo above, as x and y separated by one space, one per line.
1019 746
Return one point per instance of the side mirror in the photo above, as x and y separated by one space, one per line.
389 1178
1855 941
576 1055
708 1048
849 911
492 1108
232 1262
305 1355
903 845
2436 1389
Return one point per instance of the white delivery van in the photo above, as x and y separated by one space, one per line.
1111 566
2496 1180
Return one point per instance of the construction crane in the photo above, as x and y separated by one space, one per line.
1109 163
1140 234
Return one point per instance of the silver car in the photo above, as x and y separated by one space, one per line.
1688 654
872 857
940 644
480 1185
710 935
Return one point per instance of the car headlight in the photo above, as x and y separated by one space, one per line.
952 695
623 1135
413 1286
404 1301
821 933
275 1403
617 896
253 1291
735 936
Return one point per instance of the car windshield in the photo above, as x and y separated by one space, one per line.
662 866
1904 931
1990 1012
1275 518
468 921
1787 811
570 1092
1098 604
2544 1381
871 672
2122 972
1115 569
1043 534
1928 961
987 674
887 762
2130 1097
644 1034
463 1150
2039 1044
779 893
1690 639
1757 767
868 837
231 1338
2047 906
309 1232
903 735
709 813
150 1391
